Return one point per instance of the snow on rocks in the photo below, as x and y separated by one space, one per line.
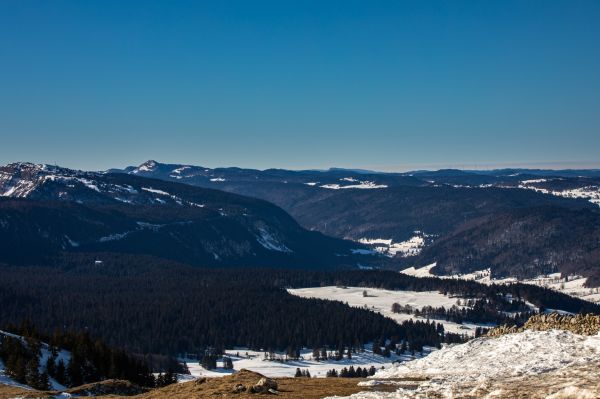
528 361
527 352
270 242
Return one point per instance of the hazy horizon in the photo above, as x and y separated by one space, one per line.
400 168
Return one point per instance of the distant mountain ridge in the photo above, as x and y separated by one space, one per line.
47 210
391 207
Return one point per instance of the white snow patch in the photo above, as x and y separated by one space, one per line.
114 237
534 181
527 352
267 240
155 191
361 185
573 285
495 364
380 300
146 167
217 179
282 367
72 243
181 169
424 271
410 247
591 193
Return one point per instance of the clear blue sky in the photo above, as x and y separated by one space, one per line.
301 84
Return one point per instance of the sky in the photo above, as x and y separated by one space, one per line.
384 85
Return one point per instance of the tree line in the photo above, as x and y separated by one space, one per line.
71 359
171 311
483 311
147 305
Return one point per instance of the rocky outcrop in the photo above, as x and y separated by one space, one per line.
265 385
107 387
502 330
579 324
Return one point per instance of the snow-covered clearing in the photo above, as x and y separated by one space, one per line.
591 193
255 361
354 184
388 247
379 300
571 285
484 365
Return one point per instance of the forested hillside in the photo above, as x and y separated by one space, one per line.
525 242
442 205
148 305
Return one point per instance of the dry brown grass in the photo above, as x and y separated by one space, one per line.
289 388
222 388
9 392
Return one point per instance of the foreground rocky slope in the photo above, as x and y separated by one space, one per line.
580 324
240 385
538 361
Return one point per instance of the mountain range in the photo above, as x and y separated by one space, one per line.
519 223
507 212
46 210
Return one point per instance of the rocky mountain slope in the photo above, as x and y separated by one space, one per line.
541 363
47 210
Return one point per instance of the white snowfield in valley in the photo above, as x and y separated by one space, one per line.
349 182
388 247
571 285
255 361
591 193
480 366
380 300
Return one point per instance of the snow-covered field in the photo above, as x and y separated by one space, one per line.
570 285
349 183
381 301
388 247
591 193
256 361
474 367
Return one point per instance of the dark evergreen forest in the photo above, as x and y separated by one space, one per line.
147 305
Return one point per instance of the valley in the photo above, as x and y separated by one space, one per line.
452 210
299 199
205 281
